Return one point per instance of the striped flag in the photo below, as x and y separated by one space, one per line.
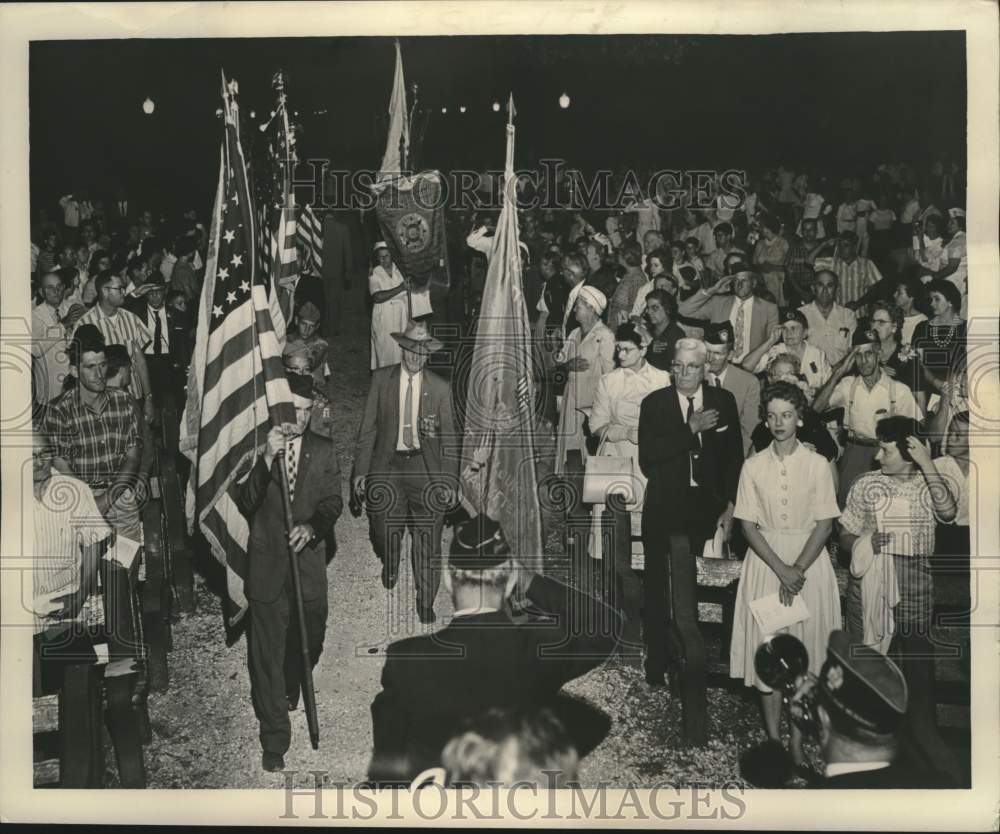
285 260
236 388
310 240
499 476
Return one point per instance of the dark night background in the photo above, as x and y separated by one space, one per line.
842 102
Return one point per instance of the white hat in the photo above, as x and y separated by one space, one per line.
380 245
956 212
594 297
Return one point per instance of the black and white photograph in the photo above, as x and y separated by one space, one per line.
572 414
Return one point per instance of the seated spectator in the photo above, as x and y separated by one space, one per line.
508 747
790 337
119 377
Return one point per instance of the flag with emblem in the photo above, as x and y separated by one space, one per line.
499 475
236 387
310 240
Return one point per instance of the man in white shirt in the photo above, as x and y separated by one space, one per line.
831 325
49 352
866 398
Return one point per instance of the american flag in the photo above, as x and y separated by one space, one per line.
310 240
237 388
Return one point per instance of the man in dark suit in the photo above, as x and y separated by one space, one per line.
407 463
273 647
164 356
690 449
483 659
338 261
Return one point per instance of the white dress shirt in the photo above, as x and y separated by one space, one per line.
151 315
741 350
415 404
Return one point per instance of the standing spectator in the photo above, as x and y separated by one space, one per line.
939 342
338 260
866 398
602 275
183 276
96 434
395 303
897 360
586 356
831 325
658 268
769 256
715 262
891 514
120 327
799 274
744 386
857 275
274 649
752 318
905 294
660 313
403 449
957 271
620 306
786 506
791 337
691 451
49 350
552 300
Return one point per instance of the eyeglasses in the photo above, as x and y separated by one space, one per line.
881 321
680 368
116 289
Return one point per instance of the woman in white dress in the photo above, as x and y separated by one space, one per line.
614 417
394 302
790 337
586 356
786 504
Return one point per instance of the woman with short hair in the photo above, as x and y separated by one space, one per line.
939 343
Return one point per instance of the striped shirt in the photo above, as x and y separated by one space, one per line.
123 328
65 520
856 277
93 442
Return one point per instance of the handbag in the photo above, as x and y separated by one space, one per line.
603 474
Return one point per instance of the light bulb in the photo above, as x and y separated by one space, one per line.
564 101
461 109
444 109
496 106
147 106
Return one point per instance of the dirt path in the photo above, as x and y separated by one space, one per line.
205 733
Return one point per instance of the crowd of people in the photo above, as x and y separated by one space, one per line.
782 369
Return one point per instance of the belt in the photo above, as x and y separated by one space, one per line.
408 453
858 440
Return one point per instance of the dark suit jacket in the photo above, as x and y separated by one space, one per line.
431 683
380 425
176 328
664 446
337 258
318 501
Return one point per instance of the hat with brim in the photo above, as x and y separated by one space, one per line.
416 339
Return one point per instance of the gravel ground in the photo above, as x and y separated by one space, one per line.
205 733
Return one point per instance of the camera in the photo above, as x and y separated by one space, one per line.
782 663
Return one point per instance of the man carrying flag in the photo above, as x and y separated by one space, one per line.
237 392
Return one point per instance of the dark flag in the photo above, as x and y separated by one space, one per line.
498 454
236 387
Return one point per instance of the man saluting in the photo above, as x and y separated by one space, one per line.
274 652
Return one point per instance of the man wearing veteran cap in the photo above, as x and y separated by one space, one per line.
274 653
866 397
861 700
744 386
483 659
405 464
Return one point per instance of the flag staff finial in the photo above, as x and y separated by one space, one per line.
511 112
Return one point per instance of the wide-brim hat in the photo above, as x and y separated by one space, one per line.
417 340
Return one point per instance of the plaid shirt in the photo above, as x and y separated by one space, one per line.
123 328
93 442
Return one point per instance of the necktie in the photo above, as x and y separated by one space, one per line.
290 467
408 414
718 382
689 413
692 455
738 329
157 334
